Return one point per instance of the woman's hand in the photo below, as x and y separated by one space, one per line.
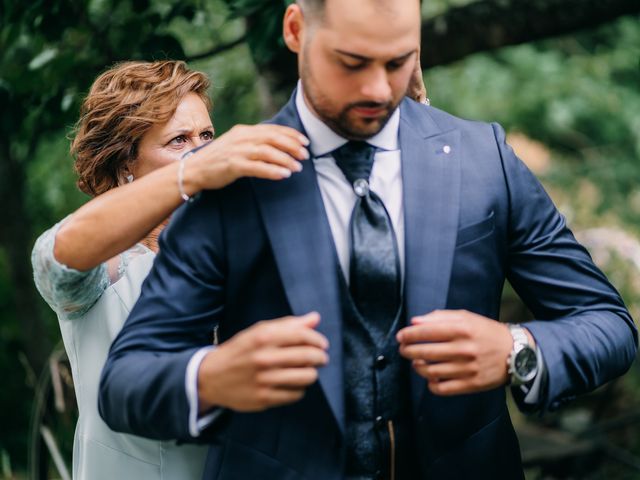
417 90
263 151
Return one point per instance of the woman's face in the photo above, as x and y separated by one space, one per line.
164 143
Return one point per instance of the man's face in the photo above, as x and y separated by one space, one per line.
356 63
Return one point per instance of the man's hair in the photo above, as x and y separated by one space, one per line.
312 9
122 105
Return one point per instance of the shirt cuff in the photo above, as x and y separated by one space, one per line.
532 392
197 423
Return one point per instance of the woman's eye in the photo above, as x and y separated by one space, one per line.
179 140
206 136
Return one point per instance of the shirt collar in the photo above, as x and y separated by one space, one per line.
324 140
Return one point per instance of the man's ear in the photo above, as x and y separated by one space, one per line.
293 27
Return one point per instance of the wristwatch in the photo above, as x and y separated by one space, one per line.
523 360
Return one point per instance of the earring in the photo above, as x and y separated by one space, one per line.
129 178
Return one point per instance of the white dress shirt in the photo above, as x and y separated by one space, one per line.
339 199
337 193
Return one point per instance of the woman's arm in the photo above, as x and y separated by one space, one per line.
116 220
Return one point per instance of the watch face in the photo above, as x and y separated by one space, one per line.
526 364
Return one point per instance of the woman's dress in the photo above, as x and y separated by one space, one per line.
91 307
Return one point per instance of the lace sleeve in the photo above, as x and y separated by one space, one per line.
67 291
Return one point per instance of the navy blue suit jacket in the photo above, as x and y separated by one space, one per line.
259 249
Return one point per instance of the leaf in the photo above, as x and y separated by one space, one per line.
43 58
67 100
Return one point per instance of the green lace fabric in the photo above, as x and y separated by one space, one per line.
70 292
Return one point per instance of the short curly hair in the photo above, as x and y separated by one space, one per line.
122 105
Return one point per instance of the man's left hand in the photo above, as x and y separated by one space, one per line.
457 351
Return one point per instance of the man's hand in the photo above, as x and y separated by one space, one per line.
267 365
457 351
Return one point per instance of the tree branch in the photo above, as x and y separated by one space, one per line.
492 24
218 49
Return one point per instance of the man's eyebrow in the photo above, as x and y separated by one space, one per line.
368 59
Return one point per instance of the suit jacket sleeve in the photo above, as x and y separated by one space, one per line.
585 333
142 389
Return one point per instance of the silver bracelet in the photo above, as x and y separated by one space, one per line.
183 194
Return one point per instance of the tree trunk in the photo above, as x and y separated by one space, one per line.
492 24
15 240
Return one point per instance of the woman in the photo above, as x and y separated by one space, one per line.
138 122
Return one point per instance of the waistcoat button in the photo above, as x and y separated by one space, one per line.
381 362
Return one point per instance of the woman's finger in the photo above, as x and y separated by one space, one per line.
257 169
287 144
270 154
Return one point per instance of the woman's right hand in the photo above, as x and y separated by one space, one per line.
263 151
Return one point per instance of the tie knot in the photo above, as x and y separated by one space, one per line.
355 159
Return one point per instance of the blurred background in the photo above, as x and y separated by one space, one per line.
562 77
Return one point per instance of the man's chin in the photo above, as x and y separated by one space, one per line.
362 129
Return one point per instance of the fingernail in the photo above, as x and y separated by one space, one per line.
297 166
312 315
284 172
304 153
304 140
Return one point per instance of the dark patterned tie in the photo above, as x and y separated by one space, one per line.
374 271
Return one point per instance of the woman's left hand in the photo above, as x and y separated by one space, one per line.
417 90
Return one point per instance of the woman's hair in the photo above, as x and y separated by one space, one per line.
123 104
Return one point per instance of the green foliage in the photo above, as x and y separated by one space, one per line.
264 34
52 52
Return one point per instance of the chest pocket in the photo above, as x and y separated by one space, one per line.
476 231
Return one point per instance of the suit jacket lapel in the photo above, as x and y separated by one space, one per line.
431 195
302 244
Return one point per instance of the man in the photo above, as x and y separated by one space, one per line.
391 248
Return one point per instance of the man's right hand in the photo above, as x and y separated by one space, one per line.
269 364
